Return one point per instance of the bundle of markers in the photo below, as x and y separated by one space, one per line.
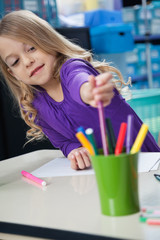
109 143
150 216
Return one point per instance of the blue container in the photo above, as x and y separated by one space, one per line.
112 38
156 9
147 105
45 9
100 17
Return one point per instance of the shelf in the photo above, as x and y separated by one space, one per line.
154 39
143 77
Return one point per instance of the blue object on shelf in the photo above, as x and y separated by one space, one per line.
147 105
45 9
100 17
112 38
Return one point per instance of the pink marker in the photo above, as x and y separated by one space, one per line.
33 178
153 221
102 128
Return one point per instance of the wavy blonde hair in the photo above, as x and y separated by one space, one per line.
25 26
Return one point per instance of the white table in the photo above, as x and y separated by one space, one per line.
68 208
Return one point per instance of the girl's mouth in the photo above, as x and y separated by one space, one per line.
36 70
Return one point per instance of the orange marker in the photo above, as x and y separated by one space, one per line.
85 143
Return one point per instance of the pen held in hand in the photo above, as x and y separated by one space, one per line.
102 128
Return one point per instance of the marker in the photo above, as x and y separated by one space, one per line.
150 210
33 178
153 221
150 215
81 129
129 136
90 136
111 136
157 176
139 139
85 142
102 128
121 137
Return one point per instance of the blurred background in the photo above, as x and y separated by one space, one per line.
124 33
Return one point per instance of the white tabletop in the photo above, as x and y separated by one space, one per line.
68 208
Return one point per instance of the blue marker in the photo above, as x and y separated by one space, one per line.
81 129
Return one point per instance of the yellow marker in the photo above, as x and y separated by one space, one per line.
85 143
139 139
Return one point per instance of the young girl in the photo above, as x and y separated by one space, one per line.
58 85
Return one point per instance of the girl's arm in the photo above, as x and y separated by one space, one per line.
98 88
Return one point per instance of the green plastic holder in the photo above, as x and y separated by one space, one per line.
117 181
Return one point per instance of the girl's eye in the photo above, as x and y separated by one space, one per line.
31 49
15 62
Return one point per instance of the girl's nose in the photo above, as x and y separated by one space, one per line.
28 60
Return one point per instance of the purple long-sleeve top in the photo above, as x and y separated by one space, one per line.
60 120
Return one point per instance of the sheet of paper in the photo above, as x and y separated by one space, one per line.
61 166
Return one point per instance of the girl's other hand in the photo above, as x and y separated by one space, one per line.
79 158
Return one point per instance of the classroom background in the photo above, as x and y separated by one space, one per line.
124 33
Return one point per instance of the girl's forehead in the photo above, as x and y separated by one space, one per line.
9 46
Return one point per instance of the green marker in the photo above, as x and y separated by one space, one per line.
90 136
111 135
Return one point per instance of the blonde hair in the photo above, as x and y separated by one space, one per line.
25 26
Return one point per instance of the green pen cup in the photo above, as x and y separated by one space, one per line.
117 182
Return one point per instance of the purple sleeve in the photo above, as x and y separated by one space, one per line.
73 74
59 141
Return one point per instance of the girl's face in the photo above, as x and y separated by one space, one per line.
26 63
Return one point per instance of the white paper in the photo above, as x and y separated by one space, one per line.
61 166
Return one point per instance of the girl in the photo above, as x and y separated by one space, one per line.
53 81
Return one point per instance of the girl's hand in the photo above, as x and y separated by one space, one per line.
79 158
99 88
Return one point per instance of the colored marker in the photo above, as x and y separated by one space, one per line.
129 136
150 215
85 142
102 128
33 178
150 210
157 176
139 139
81 129
153 221
91 138
121 137
111 136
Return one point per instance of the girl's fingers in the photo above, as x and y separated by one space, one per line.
105 97
103 78
86 158
107 87
79 159
92 81
73 160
